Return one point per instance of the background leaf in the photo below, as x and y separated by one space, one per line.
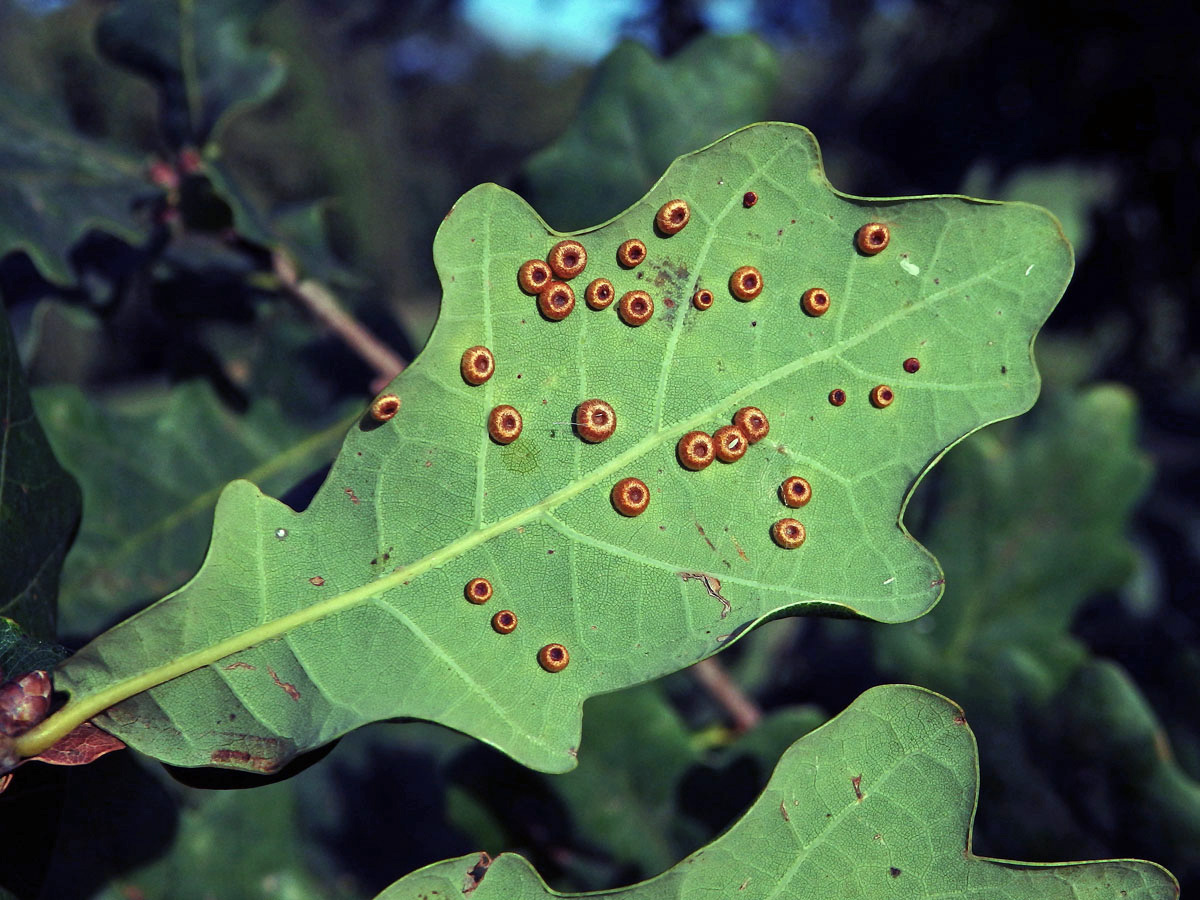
640 113
879 800
39 504
56 185
151 466
197 55
538 518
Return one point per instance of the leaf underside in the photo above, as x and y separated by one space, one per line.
878 802
354 610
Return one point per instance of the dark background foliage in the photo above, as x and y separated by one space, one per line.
145 208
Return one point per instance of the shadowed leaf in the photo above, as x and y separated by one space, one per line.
879 802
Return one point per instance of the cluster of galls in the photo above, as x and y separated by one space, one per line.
552 657
23 704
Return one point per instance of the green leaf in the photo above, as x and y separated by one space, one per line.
55 185
20 653
878 802
151 466
197 55
39 504
354 610
1034 524
638 115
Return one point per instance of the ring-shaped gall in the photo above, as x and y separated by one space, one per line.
815 301
882 396
730 443
696 450
504 622
556 301
788 534
912 365
837 397
595 421
630 496
672 216
504 424
635 308
872 238
600 294
477 365
534 275
703 298
567 259
752 421
749 199
385 407
553 657
746 283
631 253
795 491
478 591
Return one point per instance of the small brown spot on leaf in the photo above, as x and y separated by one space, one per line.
856 782
239 665
289 689
353 497
317 581
893 871
783 811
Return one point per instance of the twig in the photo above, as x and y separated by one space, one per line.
324 306
713 678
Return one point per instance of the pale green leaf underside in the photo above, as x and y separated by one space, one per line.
413 509
878 802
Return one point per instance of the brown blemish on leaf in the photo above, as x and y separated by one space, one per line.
738 547
959 719
711 584
783 811
893 871
353 497
242 759
317 581
476 872
700 529
856 782
239 665
289 689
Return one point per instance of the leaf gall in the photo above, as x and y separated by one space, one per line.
672 216
695 450
635 308
630 496
600 294
753 422
837 396
595 421
872 238
881 396
504 424
556 301
749 199
384 407
631 253
912 365
746 283
730 443
795 492
815 301
567 259
478 590
788 534
534 275
504 622
477 365
703 298
553 657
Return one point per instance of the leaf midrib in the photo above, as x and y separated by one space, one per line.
84 706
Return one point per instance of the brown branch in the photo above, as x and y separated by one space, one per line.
325 308
712 676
